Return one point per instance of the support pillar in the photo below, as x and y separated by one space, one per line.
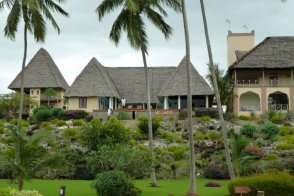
206 101
165 103
263 82
179 102
111 103
115 103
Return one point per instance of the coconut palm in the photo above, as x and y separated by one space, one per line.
131 19
192 190
238 145
217 95
32 153
33 14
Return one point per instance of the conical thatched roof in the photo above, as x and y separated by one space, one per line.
177 83
41 72
271 53
93 81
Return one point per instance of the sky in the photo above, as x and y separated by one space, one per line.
83 37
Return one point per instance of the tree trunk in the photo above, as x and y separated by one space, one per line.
150 133
216 91
20 183
192 189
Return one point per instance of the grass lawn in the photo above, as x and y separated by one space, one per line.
82 187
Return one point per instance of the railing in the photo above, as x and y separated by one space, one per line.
251 107
271 83
278 107
51 98
247 82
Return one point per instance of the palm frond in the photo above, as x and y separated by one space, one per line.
43 135
13 20
50 18
7 3
55 7
107 6
119 24
39 26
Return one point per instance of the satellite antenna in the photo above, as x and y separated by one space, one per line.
245 27
229 23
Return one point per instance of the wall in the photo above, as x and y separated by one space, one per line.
92 104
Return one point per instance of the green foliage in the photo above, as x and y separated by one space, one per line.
230 116
289 115
216 171
143 125
273 184
2 129
171 137
78 122
171 119
210 113
135 161
262 121
95 133
114 183
4 191
158 118
14 192
252 115
243 117
24 123
271 113
46 125
178 152
123 116
58 122
70 133
76 114
42 114
260 142
182 115
205 118
269 130
286 131
278 118
57 112
284 146
272 156
248 130
289 139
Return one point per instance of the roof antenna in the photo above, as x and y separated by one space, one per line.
245 27
229 24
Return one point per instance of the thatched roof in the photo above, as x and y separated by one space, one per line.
93 81
41 72
271 53
240 54
177 82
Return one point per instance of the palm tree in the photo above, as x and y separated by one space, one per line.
49 93
217 95
238 145
33 14
33 155
131 20
192 190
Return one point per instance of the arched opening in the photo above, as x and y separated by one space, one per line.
278 101
249 101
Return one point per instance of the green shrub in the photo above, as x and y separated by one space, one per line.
286 131
182 115
14 192
284 146
271 113
248 130
76 114
70 133
199 136
216 171
243 117
214 135
260 142
2 129
289 139
289 115
252 115
278 118
123 116
205 118
78 122
114 183
158 118
42 114
57 112
272 156
178 152
210 113
171 137
269 130
262 121
171 118
24 123
59 123
46 124
273 184
4 191
230 116
143 125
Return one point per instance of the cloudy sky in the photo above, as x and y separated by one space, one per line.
83 36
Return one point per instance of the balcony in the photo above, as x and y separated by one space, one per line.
278 107
267 83
52 98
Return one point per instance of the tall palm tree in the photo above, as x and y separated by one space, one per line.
131 20
33 13
217 95
192 190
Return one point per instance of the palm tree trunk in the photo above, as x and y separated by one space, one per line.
192 189
20 183
216 91
150 133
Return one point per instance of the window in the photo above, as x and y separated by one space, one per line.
37 92
83 102
273 80
32 92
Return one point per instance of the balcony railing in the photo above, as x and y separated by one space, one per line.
52 98
251 107
271 83
278 107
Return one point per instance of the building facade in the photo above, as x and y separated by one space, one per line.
263 76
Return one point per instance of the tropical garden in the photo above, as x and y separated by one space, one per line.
115 157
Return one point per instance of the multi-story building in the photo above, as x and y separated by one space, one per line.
263 75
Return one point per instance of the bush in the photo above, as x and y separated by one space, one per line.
284 146
42 114
230 116
14 121
278 118
143 125
205 118
123 116
273 184
178 152
242 117
46 124
114 183
254 151
272 157
252 115
59 123
248 130
70 133
79 122
211 113
271 113
216 171
4 191
2 129
171 137
286 131
260 142
269 130
171 118
182 115
57 112
289 115
76 114
14 192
